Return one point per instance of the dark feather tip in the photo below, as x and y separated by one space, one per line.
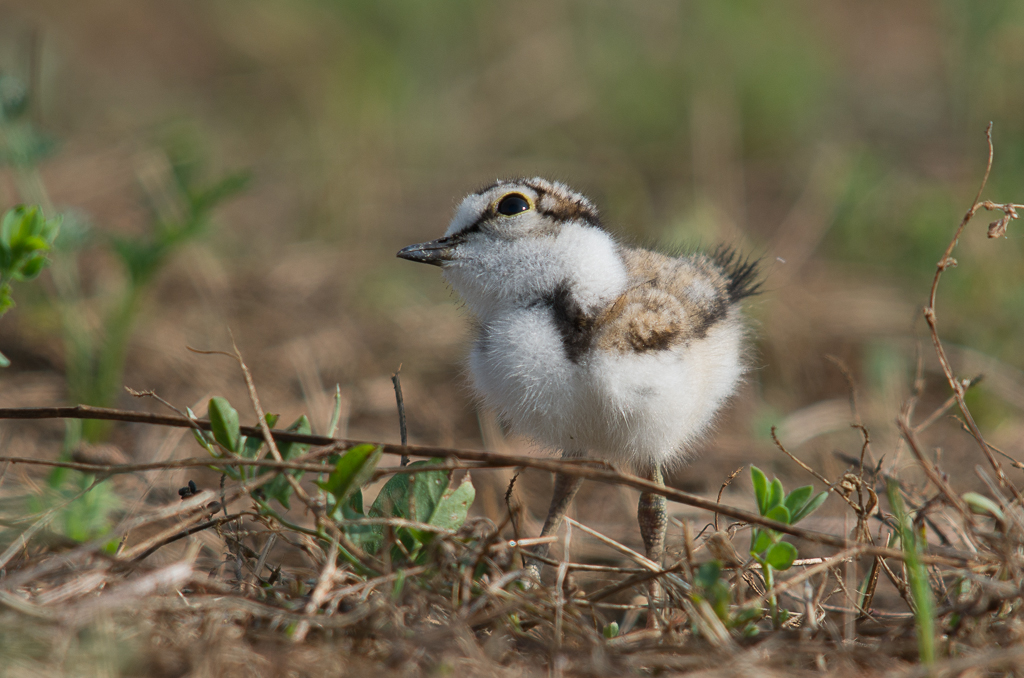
744 272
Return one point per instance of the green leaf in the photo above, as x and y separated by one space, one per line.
809 508
449 512
713 589
202 437
335 413
917 574
31 243
11 224
452 509
747 615
760 483
289 449
51 228
779 513
367 537
32 267
231 184
353 508
760 540
393 500
610 630
979 503
224 423
4 361
6 302
781 555
251 444
396 590
413 496
427 490
353 469
708 574
796 499
775 494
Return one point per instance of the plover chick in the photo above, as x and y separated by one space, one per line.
586 345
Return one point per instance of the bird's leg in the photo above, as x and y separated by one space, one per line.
650 513
565 489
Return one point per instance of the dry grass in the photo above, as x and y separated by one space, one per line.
212 585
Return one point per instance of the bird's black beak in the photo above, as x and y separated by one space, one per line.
435 252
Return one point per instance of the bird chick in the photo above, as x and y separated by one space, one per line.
586 345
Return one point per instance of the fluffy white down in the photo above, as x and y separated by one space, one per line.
637 410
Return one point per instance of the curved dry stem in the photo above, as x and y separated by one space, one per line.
930 316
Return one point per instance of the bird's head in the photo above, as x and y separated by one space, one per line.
517 240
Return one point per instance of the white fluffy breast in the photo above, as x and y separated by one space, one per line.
634 409
656 405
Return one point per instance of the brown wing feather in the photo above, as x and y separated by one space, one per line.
671 301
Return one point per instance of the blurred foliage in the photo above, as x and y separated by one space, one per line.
96 355
25 238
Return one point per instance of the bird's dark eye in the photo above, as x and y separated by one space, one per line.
513 203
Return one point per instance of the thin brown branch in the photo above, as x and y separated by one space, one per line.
396 380
268 438
941 409
929 470
589 471
814 473
216 522
728 481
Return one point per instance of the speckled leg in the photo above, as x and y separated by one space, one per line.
561 498
651 515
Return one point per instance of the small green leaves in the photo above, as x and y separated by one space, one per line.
708 574
25 238
709 586
224 423
424 497
610 630
14 97
809 508
800 503
766 545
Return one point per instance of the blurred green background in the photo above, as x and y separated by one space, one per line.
841 141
